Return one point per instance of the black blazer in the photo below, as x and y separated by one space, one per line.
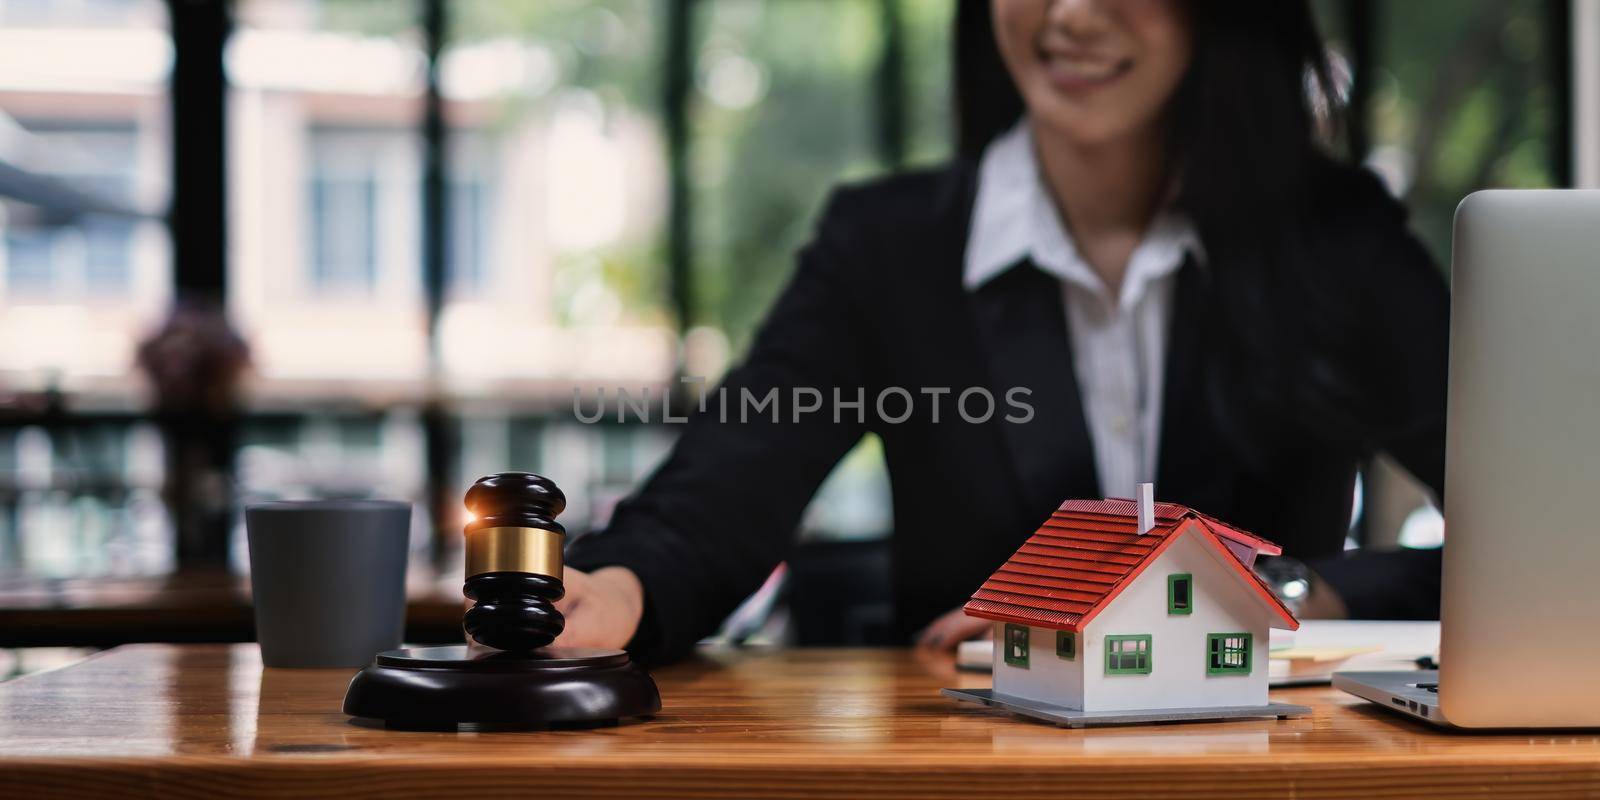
877 301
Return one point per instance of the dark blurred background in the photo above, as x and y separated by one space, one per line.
336 248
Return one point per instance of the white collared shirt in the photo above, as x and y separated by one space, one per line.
1119 344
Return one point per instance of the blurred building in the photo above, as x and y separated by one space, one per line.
326 177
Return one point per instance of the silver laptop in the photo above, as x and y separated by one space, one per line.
1520 621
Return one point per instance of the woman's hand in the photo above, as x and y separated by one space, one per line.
602 607
1322 602
953 628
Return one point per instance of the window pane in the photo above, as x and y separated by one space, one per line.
28 261
1228 653
1066 644
108 251
466 259
1462 100
346 171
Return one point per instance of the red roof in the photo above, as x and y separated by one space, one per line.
1090 550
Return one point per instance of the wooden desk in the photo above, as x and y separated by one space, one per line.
201 721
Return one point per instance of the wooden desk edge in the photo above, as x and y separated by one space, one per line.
322 776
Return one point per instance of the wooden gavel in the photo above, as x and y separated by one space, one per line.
514 580
513 570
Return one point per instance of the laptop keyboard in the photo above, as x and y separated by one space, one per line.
1432 687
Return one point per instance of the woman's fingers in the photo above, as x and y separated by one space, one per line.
602 608
951 629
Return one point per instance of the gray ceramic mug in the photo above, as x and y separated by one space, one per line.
329 579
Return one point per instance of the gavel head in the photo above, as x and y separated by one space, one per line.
514 561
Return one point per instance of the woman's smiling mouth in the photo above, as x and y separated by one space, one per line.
1077 72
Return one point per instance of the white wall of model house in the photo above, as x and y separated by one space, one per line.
1047 678
1223 602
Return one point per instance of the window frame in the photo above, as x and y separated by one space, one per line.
1221 667
1148 654
1172 595
1070 639
1021 659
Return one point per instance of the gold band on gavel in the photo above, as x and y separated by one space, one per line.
534 550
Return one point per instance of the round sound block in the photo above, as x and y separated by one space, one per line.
431 687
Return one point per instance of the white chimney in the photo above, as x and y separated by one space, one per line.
1147 507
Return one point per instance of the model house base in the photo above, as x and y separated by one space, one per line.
1073 718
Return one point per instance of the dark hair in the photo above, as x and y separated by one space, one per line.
1246 91
1244 139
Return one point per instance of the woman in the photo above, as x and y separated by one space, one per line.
1142 243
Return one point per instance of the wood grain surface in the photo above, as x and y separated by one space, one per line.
208 721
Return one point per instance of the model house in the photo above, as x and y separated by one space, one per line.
1119 606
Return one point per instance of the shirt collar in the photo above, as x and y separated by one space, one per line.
1013 219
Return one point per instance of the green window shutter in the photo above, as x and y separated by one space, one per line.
1228 653
1128 655
1016 645
1067 645
1180 593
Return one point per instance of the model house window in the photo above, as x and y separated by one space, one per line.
1128 655
1067 645
1017 645
1180 593
1228 654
